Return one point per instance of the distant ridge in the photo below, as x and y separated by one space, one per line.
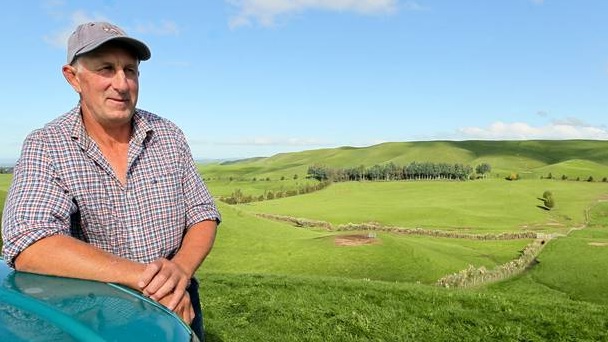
237 161
574 158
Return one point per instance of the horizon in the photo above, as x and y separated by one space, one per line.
10 162
278 76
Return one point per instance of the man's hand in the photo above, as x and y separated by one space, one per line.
183 309
165 280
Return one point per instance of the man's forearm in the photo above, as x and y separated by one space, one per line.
196 246
66 256
171 277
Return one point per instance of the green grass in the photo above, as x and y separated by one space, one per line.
573 266
523 157
278 248
269 281
5 181
555 301
477 206
573 169
225 187
280 308
570 267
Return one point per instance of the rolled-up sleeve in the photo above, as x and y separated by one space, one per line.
200 205
37 205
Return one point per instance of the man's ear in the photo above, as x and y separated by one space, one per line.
69 72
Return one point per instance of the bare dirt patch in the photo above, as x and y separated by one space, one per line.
355 240
598 244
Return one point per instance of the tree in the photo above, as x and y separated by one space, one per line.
549 203
483 168
548 199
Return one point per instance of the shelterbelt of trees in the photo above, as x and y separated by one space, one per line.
392 171
386 172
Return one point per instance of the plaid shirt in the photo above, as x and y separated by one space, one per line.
62 184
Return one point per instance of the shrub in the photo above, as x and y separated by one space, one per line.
513 176
549 203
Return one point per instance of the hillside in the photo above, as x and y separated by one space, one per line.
531 158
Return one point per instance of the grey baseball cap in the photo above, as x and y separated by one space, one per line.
88 37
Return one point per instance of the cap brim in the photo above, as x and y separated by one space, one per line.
141 50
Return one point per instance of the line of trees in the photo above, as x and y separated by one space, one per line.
392 171
238 197
565 177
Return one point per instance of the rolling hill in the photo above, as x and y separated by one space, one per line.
530 158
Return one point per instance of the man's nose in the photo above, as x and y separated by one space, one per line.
120 81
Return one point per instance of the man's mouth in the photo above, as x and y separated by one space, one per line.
119 100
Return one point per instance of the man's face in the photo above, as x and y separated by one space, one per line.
108 82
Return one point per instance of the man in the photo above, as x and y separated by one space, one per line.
109 192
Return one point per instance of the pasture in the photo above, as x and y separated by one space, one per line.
481 206
273 281
270 247
247 297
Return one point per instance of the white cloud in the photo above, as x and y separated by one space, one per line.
265 12
60 38
569 128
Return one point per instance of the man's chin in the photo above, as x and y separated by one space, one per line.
120 117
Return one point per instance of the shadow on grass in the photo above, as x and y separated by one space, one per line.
211 337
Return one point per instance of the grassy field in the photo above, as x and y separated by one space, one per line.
573 266
278 248
271 281
554 301
225 187
280 308
476 206
5 181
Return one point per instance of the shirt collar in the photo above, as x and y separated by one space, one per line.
142 129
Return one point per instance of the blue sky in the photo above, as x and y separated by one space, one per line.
247 78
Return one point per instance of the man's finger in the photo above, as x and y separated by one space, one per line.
162 286
162 278
148 274
178 294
